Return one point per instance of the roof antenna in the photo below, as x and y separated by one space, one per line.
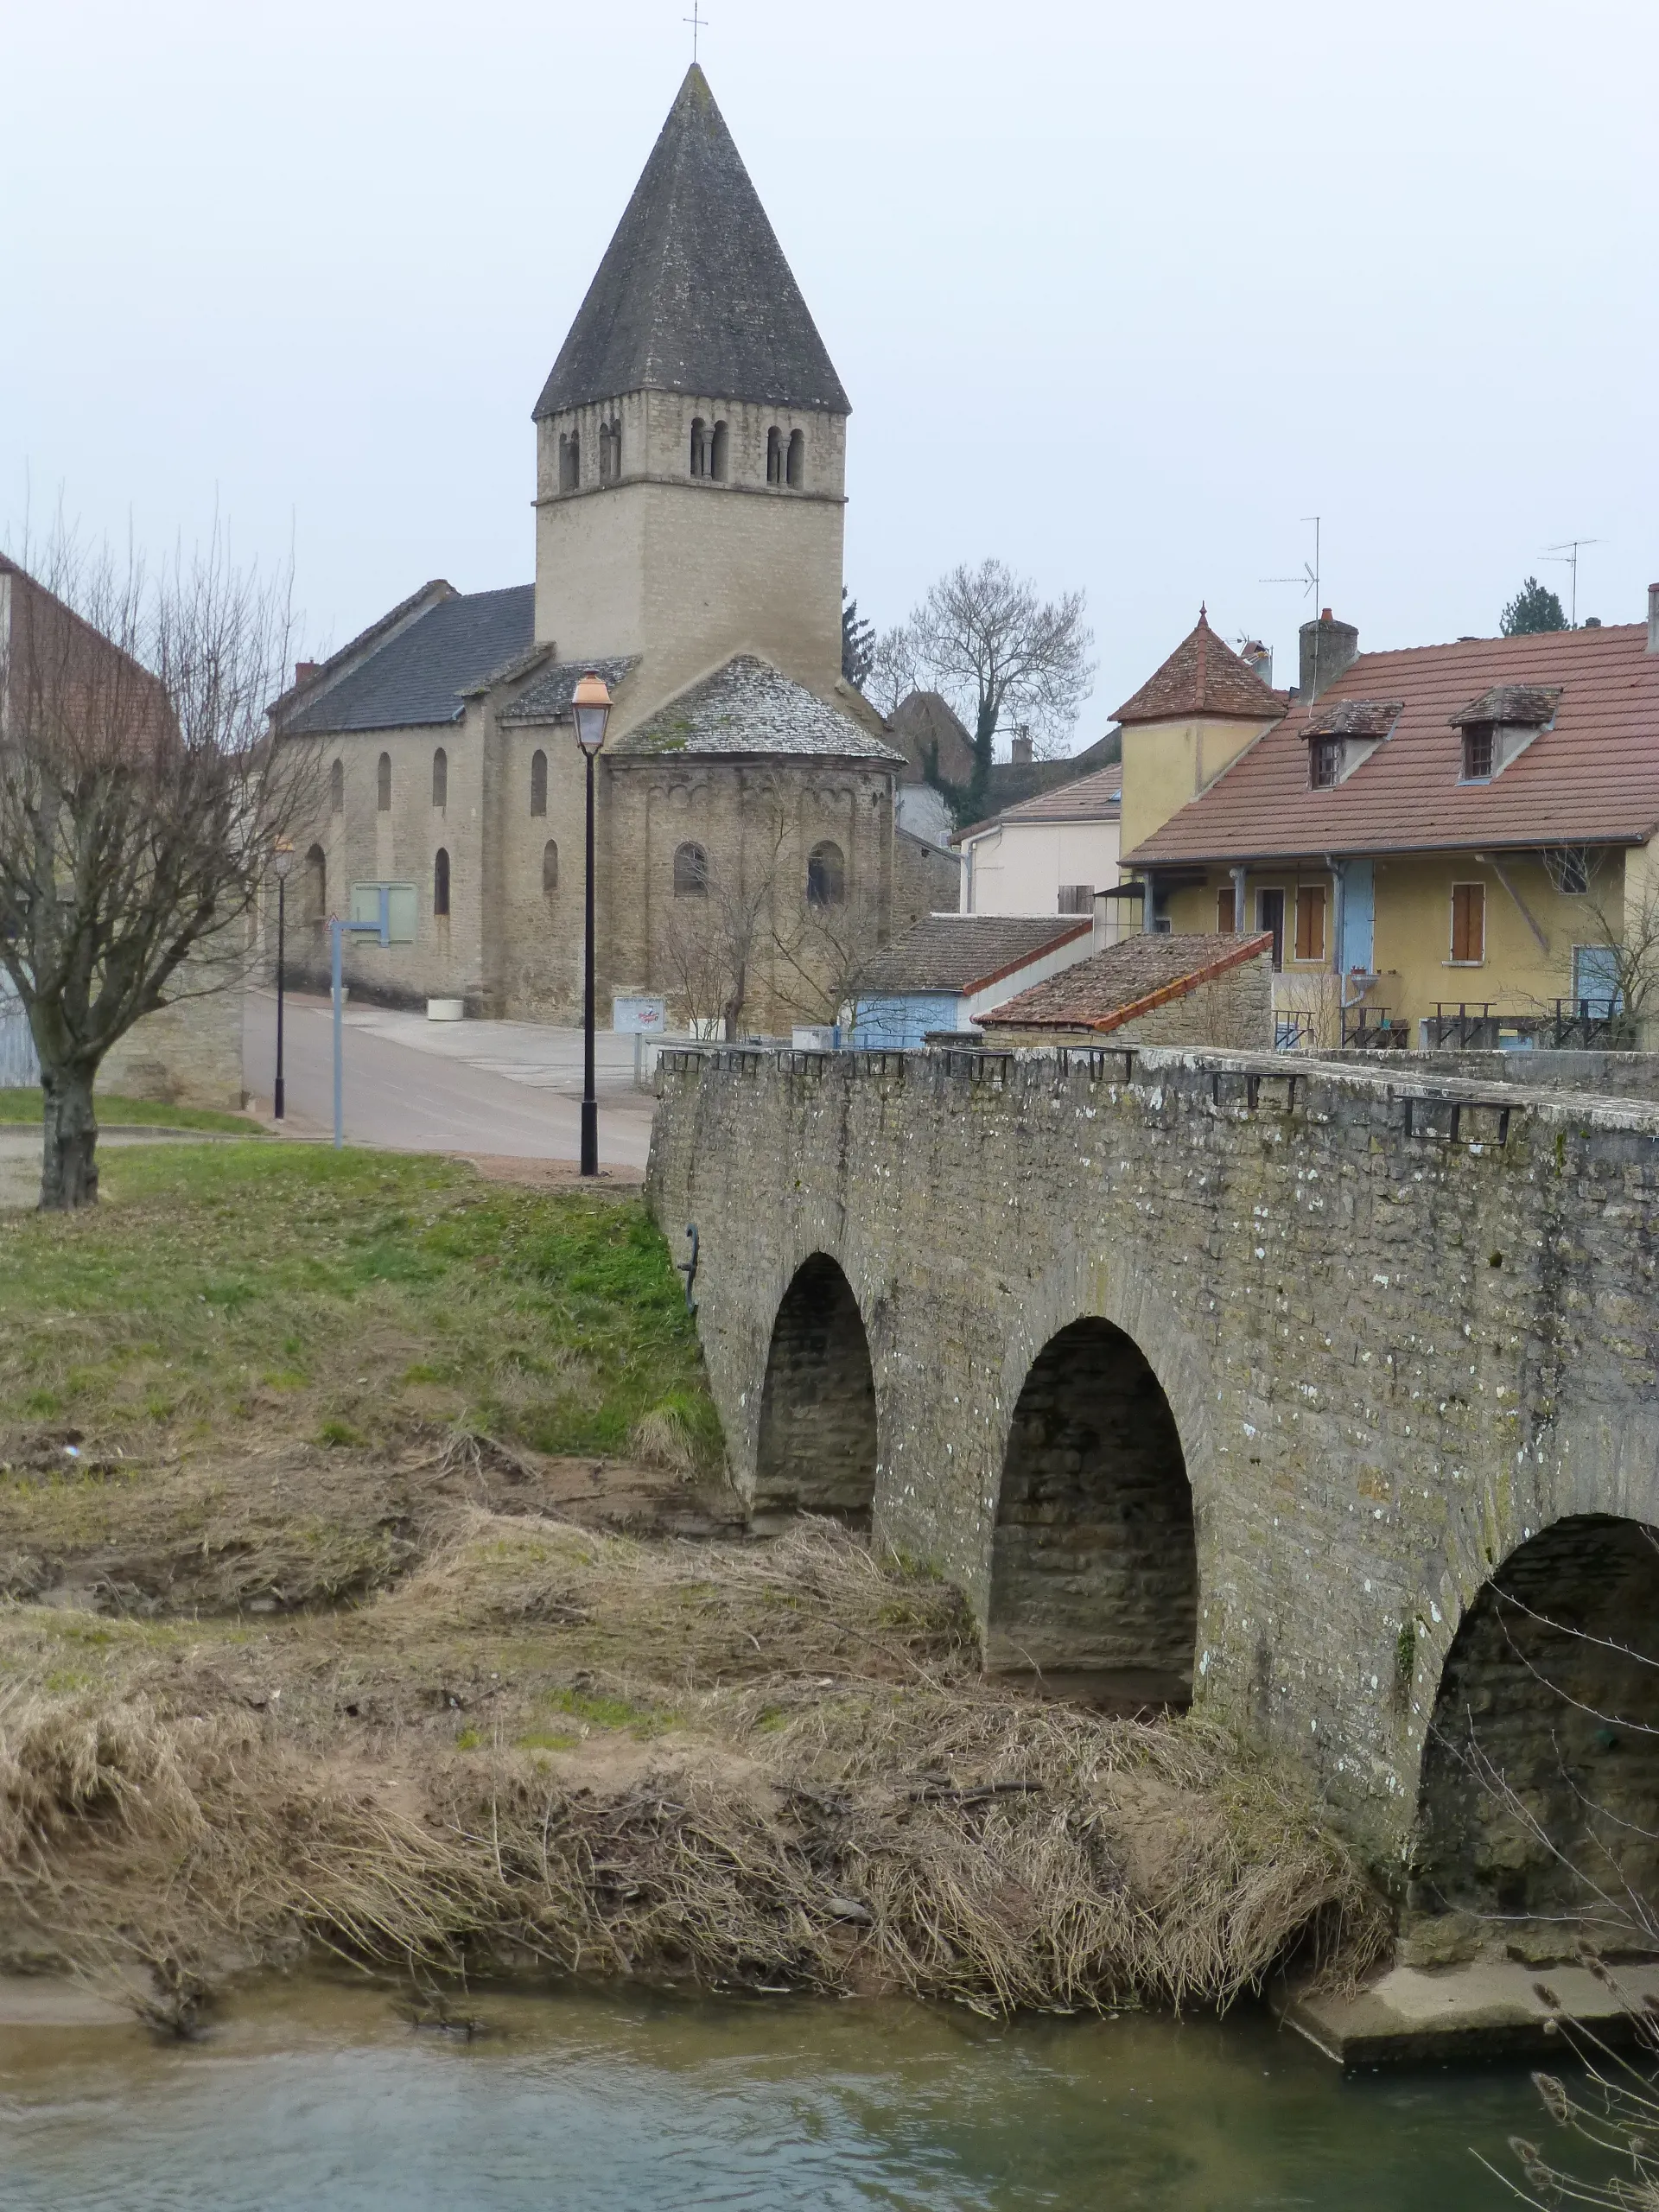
698 24
1309 580
1566 555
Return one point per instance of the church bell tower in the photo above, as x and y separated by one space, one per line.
691 437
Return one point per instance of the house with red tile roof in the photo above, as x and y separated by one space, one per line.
1447 843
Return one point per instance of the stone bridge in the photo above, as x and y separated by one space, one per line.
1326 1397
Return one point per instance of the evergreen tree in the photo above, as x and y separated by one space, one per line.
1534 608
857 641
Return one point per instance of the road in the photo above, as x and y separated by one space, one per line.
506 1089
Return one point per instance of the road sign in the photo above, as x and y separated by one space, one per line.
638 1017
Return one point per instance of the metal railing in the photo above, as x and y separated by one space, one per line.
1583 1025
1374 1028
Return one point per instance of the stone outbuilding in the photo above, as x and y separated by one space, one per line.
689 502
1208 989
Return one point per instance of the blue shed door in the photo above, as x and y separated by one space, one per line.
1358 917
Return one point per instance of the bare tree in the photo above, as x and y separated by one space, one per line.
139 803
1002 656
1623 928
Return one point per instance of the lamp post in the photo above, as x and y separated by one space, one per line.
282 859
590 709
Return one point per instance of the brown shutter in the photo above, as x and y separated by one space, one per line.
1469 921
1226 911
1310 922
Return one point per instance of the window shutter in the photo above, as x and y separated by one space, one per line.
1469 921
1310 922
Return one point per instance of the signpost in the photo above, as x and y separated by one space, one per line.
381 931
638 1018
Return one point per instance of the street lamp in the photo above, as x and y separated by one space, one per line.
590 709
282 859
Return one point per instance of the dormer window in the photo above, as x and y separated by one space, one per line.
1325 763
1343 733
1498 726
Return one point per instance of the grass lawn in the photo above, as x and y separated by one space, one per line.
114 1112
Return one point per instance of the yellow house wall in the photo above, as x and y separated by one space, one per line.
1412 930
1167 764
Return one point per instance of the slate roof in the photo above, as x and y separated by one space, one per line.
966 952
694 294
1203 675
1112 987
547 700
1353 717
1592 778
422 671
749 707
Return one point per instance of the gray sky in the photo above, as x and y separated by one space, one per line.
1121 294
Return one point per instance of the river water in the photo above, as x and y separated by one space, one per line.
316 2093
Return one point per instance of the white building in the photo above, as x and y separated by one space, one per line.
1049 855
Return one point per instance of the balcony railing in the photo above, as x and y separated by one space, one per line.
1586 1025
1374 1029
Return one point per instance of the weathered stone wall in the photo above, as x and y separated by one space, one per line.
1607 1075
188 1053
1399 1330
815 1451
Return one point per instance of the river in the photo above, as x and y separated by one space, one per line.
313 2093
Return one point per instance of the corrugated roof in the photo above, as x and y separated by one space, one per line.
1592 777
694 294
749 707
421 672
967 952
548 699
1203 675
1114 983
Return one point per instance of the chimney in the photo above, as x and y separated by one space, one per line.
1019 749
1328 648
1259 660
1653 617
303 672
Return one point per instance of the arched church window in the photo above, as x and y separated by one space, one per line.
550 867
796 462
337 788
774 456
826 875
569 461
719 448
690 872
699 447
610 452
440 778
440 883
538 782
382 784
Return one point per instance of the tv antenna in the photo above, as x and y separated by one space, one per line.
1566 555
698 22
1309 578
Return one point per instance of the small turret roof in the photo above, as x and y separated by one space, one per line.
1203 675
694 294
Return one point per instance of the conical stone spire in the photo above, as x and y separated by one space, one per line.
694 294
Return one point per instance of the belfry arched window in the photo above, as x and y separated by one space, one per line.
440 778
774 456
719 451
826 875
795 468
690 872
569 461
382 784
550 867
538 782
610 452
441 882
337 788
699 447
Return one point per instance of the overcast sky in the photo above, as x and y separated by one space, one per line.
1121 294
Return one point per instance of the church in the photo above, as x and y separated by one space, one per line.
690 458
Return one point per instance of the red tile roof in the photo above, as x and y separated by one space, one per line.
967 952
1592 778
1203 675
1125 981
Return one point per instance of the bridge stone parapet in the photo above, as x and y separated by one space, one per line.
1273 1364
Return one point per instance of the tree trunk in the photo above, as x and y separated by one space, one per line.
69 1164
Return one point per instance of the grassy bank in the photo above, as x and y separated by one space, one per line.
338 1516
21 1106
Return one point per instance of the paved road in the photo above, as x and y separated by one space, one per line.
506 1087
20 1159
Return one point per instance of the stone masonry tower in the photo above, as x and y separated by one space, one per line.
691 438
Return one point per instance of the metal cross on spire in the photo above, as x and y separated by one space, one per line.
698 22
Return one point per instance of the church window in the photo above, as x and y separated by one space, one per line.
719 446
774 456
316 912
690 872
440 883
797 462
610 452
538 782
382 784
337 788
550 867
440 778
699 447
569 461
826 875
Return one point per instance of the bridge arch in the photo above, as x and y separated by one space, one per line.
1538 1793
1094 1556
817 1448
